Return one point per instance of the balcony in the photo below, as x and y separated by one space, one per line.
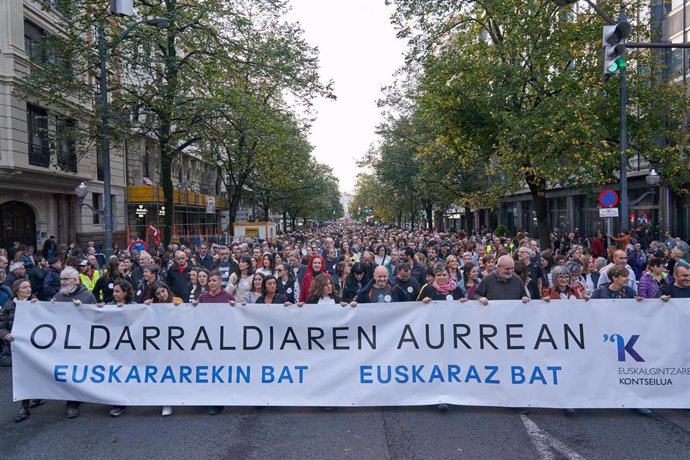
67 161
39 155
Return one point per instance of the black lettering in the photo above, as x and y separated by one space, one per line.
125 337
544 331
222 340
149 338
50 342
428 338
568 332
92 345
245 343
458 336
313 335
407 331
371 340
67 345
198 340
486 337
337 337
512 336
172 338
290 337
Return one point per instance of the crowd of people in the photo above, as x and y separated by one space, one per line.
343 265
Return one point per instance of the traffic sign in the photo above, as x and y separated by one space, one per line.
608 212
608 198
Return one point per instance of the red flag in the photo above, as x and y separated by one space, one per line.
156 236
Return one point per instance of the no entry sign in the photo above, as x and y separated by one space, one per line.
608 198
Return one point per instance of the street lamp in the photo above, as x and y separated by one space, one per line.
103 45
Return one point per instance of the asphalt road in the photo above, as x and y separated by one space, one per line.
358 433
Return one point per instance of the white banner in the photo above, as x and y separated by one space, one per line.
575 354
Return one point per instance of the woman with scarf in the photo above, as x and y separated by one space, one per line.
315 267
443 287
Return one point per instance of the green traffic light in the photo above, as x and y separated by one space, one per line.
616 65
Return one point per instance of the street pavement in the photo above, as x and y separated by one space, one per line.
357 433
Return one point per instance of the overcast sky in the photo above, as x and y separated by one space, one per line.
359 51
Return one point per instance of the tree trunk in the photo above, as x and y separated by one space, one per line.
537 187
429 211
469 219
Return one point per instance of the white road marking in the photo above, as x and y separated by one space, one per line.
547 444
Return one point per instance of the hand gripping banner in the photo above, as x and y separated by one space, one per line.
575 354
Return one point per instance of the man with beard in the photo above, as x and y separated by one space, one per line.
72 291
501 284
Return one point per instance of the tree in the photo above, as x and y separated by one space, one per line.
514 87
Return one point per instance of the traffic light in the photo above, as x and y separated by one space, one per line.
614 47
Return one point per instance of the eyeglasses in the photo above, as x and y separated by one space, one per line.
66 279
180 258
563 277
279 270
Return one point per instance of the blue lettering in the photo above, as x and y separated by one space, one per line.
150 374
285 375
98 373
401 374
381 378
133 375
242 374
416 374
554 370
202 374
168 374
300 370
60 372
472 374
537 375
453 372
492 371
436 374
83 376
112 374
267 374
215 374
364 374
517 374
185 372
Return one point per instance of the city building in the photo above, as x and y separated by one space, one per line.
41 162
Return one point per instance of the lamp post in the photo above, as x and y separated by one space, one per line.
103 46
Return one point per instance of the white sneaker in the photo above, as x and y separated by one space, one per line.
167 410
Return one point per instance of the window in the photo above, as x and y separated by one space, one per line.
66 145
34 39
37 127
96 203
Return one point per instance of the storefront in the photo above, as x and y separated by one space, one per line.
197 217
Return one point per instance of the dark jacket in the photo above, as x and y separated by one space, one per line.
207 262
37 277
364 295
277 299
6 322
81 293
494 288
287 288
352 287
5 294
430 291
51 283
409 290
103 290
178 281
603 292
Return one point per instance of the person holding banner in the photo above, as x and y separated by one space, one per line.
501 284
287 285
257 289
270 294
21 290
215 292
561 288
314 268
241 283
72 291
681 283
618 287
442 288
123 294
321 291
162 294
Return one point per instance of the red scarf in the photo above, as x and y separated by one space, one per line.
445 289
